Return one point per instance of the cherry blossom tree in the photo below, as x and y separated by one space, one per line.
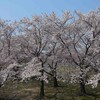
36 43
43 45
81 42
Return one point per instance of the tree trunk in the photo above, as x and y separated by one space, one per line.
82 88
82 81
42 84
82 84
55 82
42 81
0 85
42 89
8 43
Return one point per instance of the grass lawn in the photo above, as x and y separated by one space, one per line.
30 91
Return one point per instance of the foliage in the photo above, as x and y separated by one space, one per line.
43 46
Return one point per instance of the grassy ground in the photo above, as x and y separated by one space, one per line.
30 91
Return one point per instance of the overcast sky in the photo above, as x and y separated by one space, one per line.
16 9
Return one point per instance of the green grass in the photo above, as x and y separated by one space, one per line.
30 91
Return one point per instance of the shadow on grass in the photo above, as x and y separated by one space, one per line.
30 91
9 99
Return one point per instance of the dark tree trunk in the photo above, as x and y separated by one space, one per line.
82 81
42 89
42 85
82 88
55 82
82 84
8 47
0 85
